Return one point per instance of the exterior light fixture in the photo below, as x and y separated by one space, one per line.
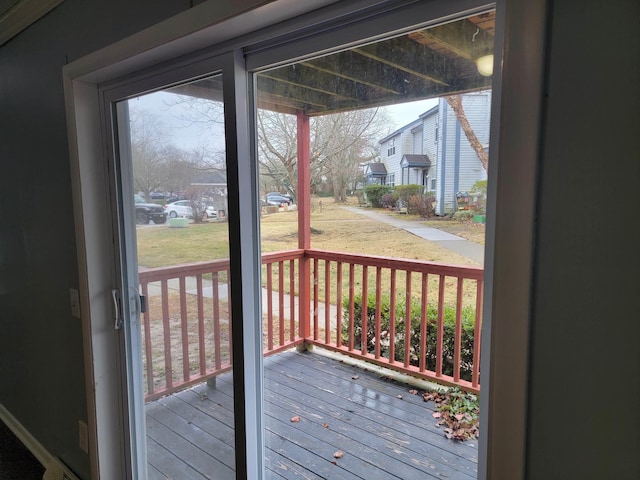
485 65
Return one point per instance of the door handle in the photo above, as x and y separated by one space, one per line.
143 303
115 295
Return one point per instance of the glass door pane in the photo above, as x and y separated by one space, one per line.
346 144
174 192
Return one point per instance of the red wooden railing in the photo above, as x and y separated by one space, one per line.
187 326
453 355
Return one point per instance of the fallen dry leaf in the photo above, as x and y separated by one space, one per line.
399 396
413 392
460 426
355 377
338 454
295 419
325 425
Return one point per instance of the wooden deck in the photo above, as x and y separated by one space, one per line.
341 408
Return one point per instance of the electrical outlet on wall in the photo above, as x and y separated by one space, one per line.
83 436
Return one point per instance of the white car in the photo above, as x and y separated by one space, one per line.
181 208
211 212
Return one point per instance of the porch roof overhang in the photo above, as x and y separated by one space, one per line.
419 65
415 161
216 179
376 169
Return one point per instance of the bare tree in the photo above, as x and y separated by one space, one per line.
278 150
147 143
339 144
347 140
455 102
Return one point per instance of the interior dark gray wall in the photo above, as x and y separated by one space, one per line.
584 418
41 357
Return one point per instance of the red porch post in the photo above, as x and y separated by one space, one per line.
304 221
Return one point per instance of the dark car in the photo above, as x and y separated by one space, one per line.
276 201
279 199
145 212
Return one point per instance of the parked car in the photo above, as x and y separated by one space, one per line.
210 212
277 199
181 208
277 196
145 212
158 196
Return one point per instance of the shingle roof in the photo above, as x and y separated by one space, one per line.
377 168
413 160
211 178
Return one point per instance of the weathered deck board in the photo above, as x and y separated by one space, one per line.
190 434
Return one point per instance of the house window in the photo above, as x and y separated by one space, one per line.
436 136
392 148
391 179
433 184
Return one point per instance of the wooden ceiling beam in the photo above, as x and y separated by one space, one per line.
410 57
293 92
350 66
463 38
304 77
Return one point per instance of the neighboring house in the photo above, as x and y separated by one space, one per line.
214 186
433 151
376 172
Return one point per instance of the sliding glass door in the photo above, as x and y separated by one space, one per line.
208 151
184 295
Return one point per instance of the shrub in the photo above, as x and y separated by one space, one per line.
463 215
421 205
388 200
449 315
479 193
405 192
374 194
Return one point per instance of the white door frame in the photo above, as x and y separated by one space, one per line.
516 111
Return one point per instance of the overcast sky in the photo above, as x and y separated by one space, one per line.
188 137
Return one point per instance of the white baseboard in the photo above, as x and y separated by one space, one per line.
29 441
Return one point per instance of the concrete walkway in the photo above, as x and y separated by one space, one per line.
459 245
223 293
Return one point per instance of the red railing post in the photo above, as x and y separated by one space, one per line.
339 305
377 329
407 321
440 333
458 335
147 341
392 318
270 306
304 221
201 334
475 377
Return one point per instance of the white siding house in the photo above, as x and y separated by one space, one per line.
434 151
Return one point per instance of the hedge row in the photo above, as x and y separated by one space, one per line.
468 327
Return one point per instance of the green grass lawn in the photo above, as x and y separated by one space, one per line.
333 228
